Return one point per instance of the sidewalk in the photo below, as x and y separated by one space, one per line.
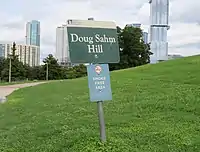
8 89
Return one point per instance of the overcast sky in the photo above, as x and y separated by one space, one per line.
183 37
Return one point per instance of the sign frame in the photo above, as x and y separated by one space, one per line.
99 82
92 42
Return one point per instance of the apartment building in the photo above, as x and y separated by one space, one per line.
28 54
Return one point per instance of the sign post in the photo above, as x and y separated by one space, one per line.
95 42
101 121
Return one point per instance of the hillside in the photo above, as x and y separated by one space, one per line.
155 108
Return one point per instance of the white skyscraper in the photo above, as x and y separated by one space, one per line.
159 14
62 53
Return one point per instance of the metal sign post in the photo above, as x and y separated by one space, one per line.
102 126
101 121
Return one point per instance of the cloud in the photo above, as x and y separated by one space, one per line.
16 22
183 35
185 11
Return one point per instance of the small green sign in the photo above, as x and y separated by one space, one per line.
93 45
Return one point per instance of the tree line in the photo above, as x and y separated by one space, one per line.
133 52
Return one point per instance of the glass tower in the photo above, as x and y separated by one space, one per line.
33 33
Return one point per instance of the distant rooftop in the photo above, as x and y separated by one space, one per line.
134 25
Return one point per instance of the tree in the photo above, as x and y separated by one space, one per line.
2 60
54 70
13 54
12 67
37 73
79 71
17 68
2 66
133 50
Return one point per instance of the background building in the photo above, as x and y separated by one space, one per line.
33 33
138 25
174 56
159 14
28 54
145 37
62 52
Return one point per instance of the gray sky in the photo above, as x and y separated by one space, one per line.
183 37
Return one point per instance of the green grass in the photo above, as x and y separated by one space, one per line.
155 108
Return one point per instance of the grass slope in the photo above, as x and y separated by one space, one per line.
155 108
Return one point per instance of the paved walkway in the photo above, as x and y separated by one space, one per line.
8 89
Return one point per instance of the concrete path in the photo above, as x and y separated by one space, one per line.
8 89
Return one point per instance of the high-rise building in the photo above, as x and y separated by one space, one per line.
62 52
33 33
159 14
27 54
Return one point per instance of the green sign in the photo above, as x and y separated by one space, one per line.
93 45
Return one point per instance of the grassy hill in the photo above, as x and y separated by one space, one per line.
155 108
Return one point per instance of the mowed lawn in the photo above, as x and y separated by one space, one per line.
155 108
